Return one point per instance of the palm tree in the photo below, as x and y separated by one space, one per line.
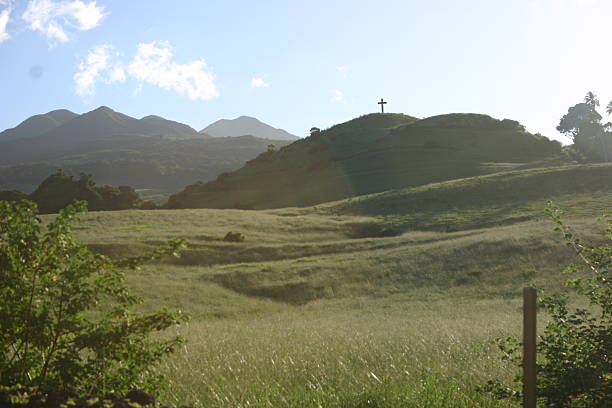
591 99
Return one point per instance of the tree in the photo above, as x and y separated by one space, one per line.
591 100
314 131
60 189
575 365
66 319
582 125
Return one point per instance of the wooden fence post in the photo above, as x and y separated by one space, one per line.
529 347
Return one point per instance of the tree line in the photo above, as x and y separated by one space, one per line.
61 189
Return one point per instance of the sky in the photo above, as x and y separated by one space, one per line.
297 64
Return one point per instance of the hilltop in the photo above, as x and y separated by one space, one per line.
37 125
370 154
246 125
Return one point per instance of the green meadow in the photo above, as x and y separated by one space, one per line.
386 300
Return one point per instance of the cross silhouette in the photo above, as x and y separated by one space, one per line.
382 105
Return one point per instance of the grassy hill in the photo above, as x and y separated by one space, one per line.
370 154
289 253
318 308
485 201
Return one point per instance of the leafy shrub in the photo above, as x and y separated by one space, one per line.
148 205
66 322
33 397
575 367
233 237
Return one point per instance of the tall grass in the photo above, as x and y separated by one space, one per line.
358 353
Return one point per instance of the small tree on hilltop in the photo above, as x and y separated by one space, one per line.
66 319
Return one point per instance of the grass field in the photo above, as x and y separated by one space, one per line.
317 308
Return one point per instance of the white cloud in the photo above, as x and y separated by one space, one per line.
117 74
258 82
4 19
153 64
342 68
337 96
53 18
5 16
97 67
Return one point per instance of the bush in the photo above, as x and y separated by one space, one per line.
575 350
65 313
233 237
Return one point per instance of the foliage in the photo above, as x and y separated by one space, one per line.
233 237
583 126
575 369
66 319
60 189
34 397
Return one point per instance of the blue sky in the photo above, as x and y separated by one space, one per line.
297 64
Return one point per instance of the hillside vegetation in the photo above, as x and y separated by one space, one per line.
490 200
319 306
370 154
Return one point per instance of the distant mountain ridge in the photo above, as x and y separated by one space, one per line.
105 122
151 152
37 125
246 125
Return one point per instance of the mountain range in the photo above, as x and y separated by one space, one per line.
151 152
371 154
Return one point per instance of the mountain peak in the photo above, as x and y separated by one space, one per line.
152 117
37 125
246 125
102 109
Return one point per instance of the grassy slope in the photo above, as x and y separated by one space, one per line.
304 314
370 154
490 200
